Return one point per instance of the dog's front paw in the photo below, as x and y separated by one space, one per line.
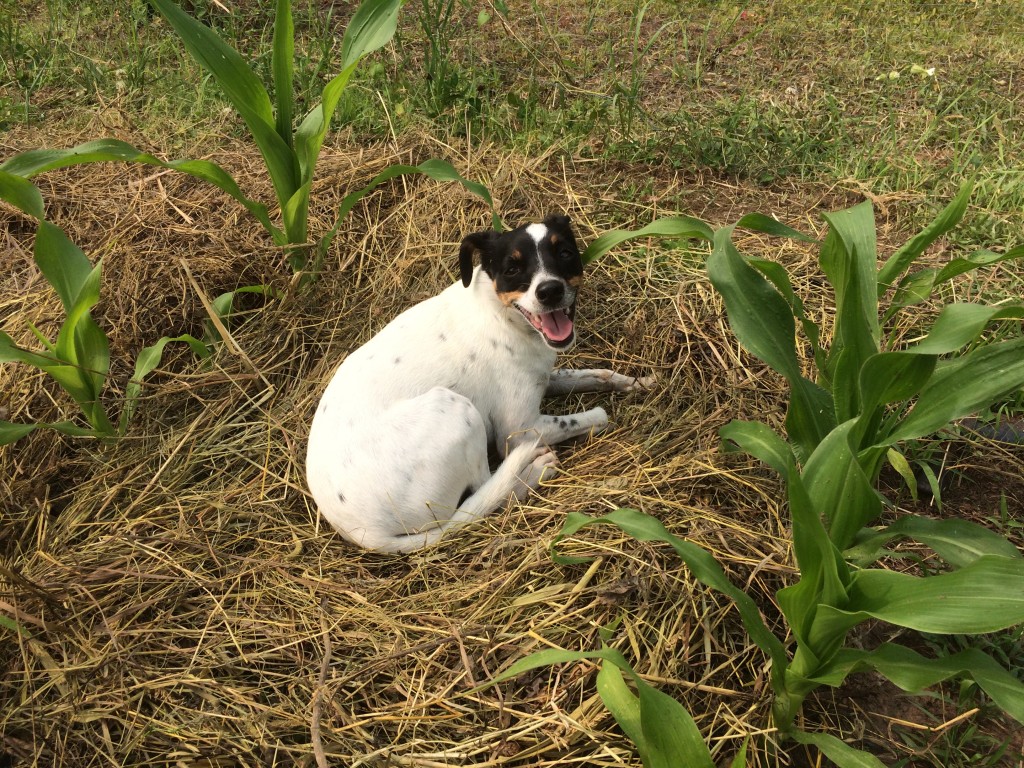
642 384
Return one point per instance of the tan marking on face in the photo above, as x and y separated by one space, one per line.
574 282
508 297
516 255
554 240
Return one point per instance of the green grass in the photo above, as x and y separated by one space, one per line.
779 92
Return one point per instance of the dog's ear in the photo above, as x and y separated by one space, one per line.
557 220
478 241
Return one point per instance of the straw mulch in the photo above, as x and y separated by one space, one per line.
182 604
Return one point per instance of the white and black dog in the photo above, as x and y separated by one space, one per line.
398 447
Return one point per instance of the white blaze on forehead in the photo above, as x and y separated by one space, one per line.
537 232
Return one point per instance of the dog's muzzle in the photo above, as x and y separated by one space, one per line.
555 325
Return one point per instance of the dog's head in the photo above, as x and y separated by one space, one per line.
536 269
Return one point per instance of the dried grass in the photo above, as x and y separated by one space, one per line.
184 605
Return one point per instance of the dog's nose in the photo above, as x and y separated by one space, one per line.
551 292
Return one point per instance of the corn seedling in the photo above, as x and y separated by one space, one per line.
289 151
868 399
79 359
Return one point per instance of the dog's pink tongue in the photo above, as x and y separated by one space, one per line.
556 325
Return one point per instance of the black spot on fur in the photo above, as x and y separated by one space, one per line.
341 497
398 360
573 423
442 338
494 343
562 423
472 357
508 348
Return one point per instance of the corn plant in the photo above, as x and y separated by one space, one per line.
79 359
868 397
872 394
289 151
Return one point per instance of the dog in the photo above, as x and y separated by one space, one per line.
398 448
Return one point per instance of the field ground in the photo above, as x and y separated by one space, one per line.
181 602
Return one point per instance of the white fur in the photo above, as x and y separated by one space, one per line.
403 427
537 231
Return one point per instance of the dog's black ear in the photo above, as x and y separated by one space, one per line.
557 220
478 241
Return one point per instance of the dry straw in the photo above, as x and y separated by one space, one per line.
181 602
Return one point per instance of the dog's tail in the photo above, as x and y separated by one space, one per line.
515 476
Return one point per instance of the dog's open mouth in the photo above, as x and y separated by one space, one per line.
556 327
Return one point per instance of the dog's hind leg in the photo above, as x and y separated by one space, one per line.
521 471
566 381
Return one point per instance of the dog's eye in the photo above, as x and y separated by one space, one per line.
566 255
512 270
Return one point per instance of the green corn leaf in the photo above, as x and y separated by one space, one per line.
10 431
914 673
848 258
662 730
759 316
824 575
224 308
758 222
762 320
913 289
985 595
671 734
960 324
836 750
242 88
778 276
295 214
740 760
372 27
677 227
68 345
893 377
664 733
282 67
12 353
623 704
901 260
147 361
982 258
63 264
919 286
958 542
761 442
37 161
701 563
22 194
838 487
92 353
899 462
236 78
964 386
